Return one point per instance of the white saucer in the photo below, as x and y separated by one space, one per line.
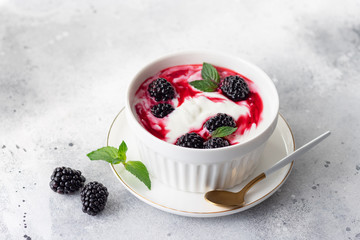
189 204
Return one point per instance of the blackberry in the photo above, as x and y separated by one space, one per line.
220 120
66 180
190 140
235 88
93 197
161 89
161 110
216 143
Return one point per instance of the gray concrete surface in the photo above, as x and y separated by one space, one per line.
63 69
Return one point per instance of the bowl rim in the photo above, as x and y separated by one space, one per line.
246 144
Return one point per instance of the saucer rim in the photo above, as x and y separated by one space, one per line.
201 214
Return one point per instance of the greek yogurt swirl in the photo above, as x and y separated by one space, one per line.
193 107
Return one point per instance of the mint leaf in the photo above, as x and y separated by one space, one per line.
109 154
122 150
115 156
211 79
204 85
139 170
208 72
223 131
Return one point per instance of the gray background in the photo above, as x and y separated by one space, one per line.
64 66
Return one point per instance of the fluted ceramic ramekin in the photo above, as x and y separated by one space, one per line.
200 170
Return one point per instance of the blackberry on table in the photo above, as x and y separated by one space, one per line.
93 197
220 120
216 143
190 140
65 180
161 90
235 88
161 110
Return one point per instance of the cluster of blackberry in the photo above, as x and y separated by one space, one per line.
220 120
161 110
66 180
161 90
94 195
235 88
194 140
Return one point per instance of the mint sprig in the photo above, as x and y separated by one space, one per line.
114 156
210 79
223 131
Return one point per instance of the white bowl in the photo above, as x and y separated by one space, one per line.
200 170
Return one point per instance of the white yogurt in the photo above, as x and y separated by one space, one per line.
195 111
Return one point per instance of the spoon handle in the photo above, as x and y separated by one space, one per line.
296 154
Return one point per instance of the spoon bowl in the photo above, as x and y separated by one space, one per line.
236 199
225 198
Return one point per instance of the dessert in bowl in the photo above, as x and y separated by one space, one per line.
175 123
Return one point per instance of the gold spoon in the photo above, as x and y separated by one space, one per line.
237 199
